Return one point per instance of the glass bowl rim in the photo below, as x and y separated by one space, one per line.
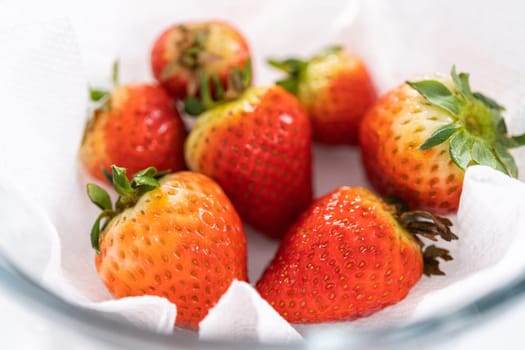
101 326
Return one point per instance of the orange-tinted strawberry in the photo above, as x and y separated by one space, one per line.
135 126
258 148
348 256
419 138
336 90
185 50
178 237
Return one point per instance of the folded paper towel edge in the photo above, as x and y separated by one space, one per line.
265 324
483 173
167 311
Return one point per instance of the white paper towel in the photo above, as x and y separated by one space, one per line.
49 52
242 314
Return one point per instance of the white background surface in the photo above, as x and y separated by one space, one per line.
23 330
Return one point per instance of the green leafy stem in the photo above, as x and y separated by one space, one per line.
102 95
295 68
478 133
129 193
237 82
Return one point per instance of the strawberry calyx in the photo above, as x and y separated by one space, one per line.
101 96
425 224
129 193
478 133
295 68
193 55
431 254
100 100
238 81
422 223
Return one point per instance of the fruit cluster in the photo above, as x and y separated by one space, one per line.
179 234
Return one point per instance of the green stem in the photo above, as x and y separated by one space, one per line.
478 120
129 193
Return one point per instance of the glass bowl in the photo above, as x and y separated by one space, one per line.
431 330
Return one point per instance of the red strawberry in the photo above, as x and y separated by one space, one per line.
418 139
185 50
258 148
135 126
336 90
348 256
178 237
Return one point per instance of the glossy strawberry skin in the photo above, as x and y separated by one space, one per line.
336 91
346 257
183 241
390 136
258 148
226 44
139 128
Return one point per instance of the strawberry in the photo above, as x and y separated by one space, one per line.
178 237
335 89
135 126
184 51
258 148
419 138
348 256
